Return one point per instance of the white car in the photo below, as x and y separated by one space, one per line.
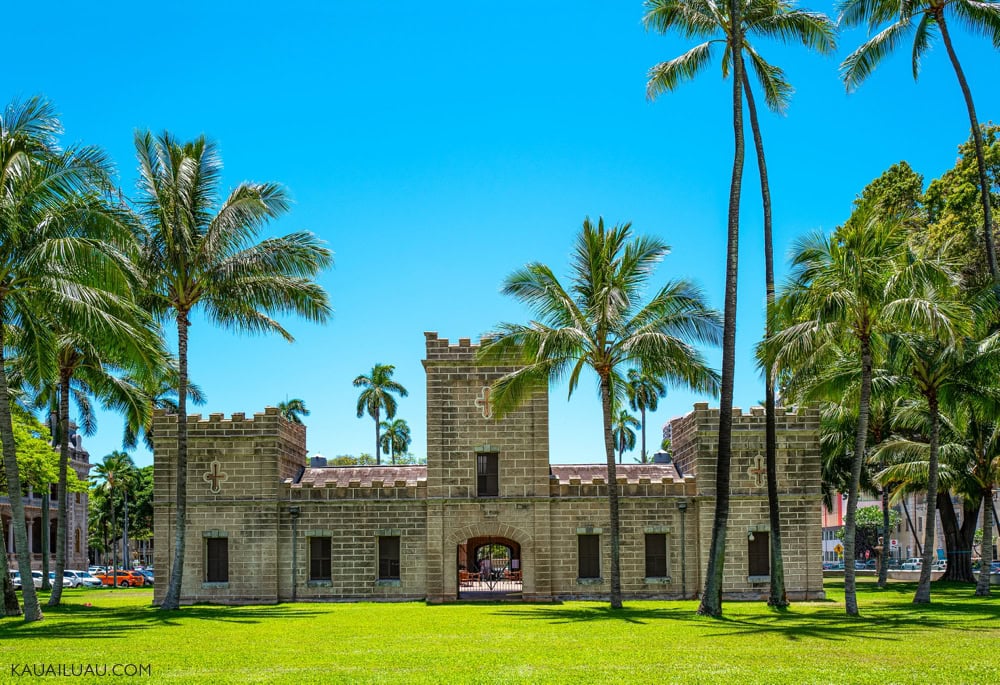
36 578
67 582
82 578
912 564
15 579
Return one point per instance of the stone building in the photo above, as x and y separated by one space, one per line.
76 536
487 516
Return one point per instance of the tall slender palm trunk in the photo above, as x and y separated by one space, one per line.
642 412
62 520
46 537
977 137
711 601
613 504
883 567
172 600
850 517
32 610
778 597
983 586
9 605
923 595
378 439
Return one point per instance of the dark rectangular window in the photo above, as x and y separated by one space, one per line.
319 559
217 560
759 554
388 558
590 556
656 555
488 475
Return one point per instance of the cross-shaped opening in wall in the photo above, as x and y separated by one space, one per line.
758 471
216 477
483 403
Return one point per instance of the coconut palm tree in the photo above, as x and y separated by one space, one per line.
159 386
113 475
376 396
198 253
852 290
644 393
623 433
91 367
395 439
292 410
600 323
924 20
776 20
49 271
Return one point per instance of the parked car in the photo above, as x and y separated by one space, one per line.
36 578
67 582
912 564
148 573
124 578
15 579
82 578
940 565
96 569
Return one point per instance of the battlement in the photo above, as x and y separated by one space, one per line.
441 349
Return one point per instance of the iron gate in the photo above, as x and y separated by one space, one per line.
491 569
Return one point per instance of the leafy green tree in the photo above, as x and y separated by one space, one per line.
925 20
49 270
292 409
643 393
955 212
363 459
395 439
623 433
779 20
600 323
851 290
199 253
376 396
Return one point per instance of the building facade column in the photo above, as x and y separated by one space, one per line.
31 526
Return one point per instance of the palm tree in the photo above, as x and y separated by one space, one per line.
688 20
600 323
376 396
923 19
159 386
113 476
852 289
199 252
49 271
292 409
644 393
782 21
395 439
623 433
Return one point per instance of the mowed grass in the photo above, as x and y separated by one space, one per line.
954 640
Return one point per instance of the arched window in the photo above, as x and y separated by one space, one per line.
76 541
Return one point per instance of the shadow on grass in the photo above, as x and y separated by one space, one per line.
102 623
570 614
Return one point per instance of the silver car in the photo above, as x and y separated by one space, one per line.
82 578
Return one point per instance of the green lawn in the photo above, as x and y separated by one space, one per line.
894 641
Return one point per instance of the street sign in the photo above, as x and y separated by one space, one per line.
893 544
838 548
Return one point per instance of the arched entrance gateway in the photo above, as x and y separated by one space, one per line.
489 568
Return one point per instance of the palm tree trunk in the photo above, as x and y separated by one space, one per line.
172 600
9 605
32 610
45 538
778 596
977 137
114 544
378 440
923 595
642 411
609 450
913 530
958 539
883 568
850 518
711 601
983 586
62 521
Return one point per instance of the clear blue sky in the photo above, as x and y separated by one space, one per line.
438 146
